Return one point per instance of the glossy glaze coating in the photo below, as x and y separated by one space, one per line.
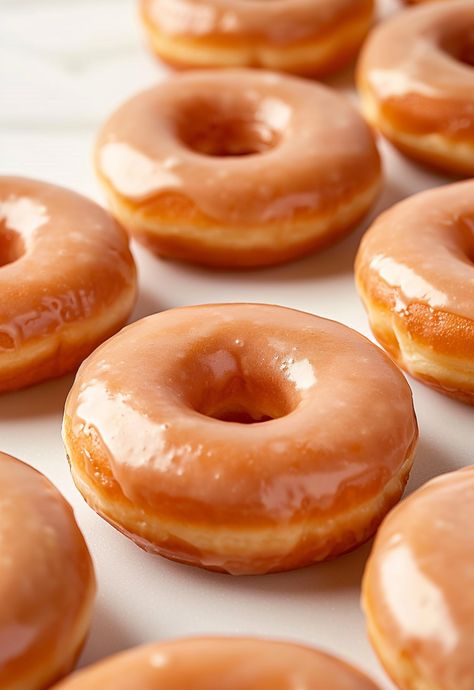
419 586
67 280
303 36
240 165
230 663
416 77
416 263
144 432
46 580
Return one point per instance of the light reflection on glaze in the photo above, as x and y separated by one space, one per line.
158 660
390 83
418 587
288 494
323 153
414 600
144 408
423 249
23 215
274 112
120 427
222 363
179 17
300 372
46 579
226 663
411 285
133 174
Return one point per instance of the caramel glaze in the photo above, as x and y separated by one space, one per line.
67 280
238 168
310 37
150 451
416 266
230 663
416 79
47 582
418 589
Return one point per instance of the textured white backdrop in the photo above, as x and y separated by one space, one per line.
64 64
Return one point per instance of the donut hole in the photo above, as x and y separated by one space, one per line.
233 384
241 411
244 399
12 246
229 128
460 45
239 415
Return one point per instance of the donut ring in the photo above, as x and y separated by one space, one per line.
166 448
47 582
233 663
415 275
309 37
238 168
418 588
416 80
67 280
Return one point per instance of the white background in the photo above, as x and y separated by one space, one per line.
64 65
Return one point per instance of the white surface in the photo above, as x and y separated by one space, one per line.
64 64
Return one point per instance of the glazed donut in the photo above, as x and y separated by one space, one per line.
47 582
238 168
416 80
418 589
67 280
230 663
415 274
309 37
240 438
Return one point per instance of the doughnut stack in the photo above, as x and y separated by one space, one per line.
248 438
